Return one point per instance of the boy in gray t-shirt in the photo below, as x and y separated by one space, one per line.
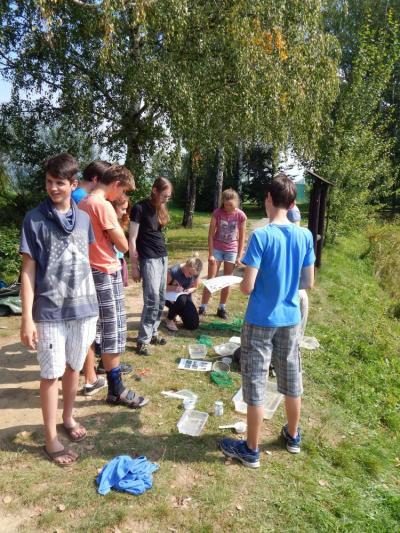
59 302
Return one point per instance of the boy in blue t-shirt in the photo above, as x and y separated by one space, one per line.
59 301
278 256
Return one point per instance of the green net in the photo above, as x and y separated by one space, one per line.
206 340
221 378
235 325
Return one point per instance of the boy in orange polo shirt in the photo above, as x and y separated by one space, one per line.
106 271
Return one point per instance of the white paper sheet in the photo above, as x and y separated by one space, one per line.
216 284
195 364
172 296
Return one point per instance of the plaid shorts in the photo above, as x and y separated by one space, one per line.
259 344
112 315
64 342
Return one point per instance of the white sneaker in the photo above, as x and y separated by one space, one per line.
170 324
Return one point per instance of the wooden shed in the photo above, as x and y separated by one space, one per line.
317 211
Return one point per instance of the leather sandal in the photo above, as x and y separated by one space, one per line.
53 456
72 432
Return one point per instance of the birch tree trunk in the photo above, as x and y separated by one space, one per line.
219 181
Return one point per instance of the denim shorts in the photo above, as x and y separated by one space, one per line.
259 344
220 255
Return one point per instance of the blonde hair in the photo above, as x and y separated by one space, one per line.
195 262
229 194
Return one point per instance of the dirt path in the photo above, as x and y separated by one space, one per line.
19 376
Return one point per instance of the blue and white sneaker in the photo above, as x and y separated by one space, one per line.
292 444
239 450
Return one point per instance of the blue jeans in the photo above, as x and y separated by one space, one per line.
154 280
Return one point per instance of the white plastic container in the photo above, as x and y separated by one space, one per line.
272 400
192 422
236 340
227 348
197 351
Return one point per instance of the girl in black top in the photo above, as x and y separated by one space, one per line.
149 259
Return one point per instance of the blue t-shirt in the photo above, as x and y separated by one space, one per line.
59 244
279 252
78 194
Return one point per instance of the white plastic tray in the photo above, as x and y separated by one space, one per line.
197 351
192 422
272 400
227 348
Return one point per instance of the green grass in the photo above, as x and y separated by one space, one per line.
346 478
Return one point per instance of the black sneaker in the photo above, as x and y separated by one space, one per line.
90 390
128 398
202 311
142 349
158 340
221 313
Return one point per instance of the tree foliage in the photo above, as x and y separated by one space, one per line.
128 74
356 154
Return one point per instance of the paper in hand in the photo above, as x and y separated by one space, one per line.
216 284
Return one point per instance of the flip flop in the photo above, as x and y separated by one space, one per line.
52 457
71 432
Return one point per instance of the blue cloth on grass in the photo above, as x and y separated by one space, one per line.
125 474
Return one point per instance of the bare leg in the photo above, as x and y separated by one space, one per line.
228 269
49 403
88 368
255 415
110 360
293 407
69 388
213 269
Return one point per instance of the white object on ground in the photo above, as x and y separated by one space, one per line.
309 343
236 340
184 394
172 296
189 403
272 400
195 364
227 348
197 351
239 427
220 282
192 422
227 360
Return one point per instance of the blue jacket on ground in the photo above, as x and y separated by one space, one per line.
126 475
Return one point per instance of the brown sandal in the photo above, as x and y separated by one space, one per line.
53 456
72 432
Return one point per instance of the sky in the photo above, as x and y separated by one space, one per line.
5 91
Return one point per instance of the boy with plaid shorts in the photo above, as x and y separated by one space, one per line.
59 303
278 256
106 269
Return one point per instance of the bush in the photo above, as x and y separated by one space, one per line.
10 259
385 251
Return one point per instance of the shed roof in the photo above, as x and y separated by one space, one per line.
312 173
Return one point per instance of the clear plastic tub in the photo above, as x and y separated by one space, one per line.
197 351
227 348
192 422
272 400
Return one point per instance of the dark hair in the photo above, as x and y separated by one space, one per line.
118 173
95 169
283 191
62 166
161 184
